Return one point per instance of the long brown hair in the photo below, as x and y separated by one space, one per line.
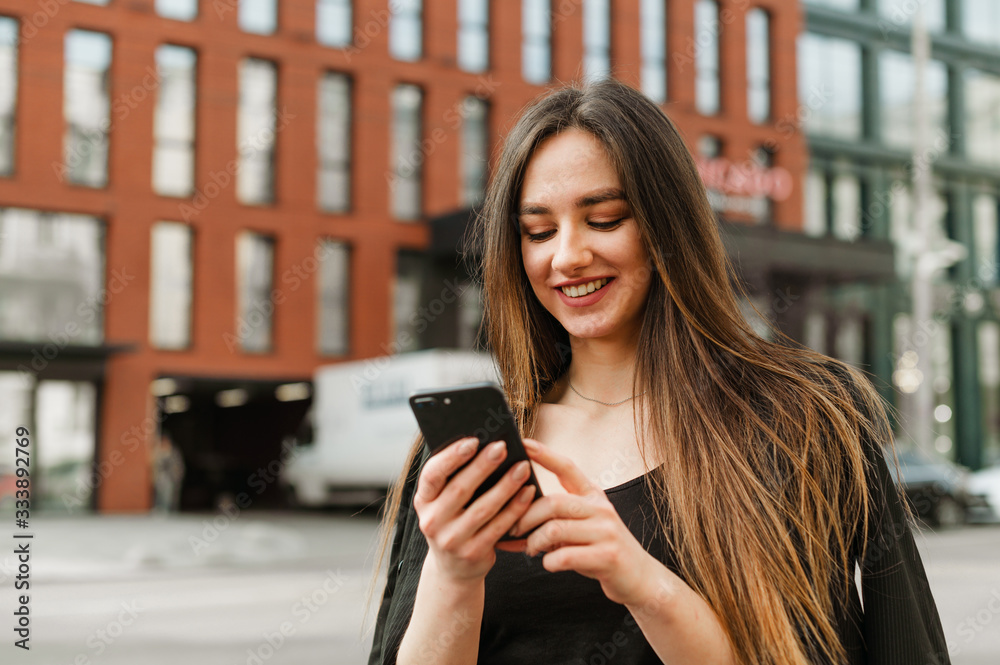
761 441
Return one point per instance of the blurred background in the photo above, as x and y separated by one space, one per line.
229 250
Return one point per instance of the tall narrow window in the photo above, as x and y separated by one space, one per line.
408 321
258 16
596 39
982 127
897 87
985 221
333 22
174 121
8 92
653 28
473 35
475 150
536 41
406 29
830 85
758 66
706 29
255 131
334 142
87 108
407 157
334 289
181 10
254 279
170 286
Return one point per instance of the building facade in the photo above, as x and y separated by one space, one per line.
202 202
857 80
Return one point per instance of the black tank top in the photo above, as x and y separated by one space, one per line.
532 615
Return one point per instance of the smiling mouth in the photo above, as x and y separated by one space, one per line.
580 290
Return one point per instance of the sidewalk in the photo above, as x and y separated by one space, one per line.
96 547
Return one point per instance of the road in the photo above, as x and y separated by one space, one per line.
131 591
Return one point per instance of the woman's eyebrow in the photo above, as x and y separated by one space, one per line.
600 196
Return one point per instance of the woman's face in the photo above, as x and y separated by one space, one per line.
577 230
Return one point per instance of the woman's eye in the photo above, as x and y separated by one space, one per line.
535 237
607 225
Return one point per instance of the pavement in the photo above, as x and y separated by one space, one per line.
103 547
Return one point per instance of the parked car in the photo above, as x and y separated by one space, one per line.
937 490
987 483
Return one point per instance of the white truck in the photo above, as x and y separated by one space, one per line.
362 426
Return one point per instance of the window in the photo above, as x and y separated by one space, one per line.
406 29
653 33
407 155
334 142
988 343
900 13
258 16
896 89
815 223
830 85
706 21
536 41
67 307
181 10
985 220
334 288
254 279
255 131
758 66
475 150
982 118
846 207
87 108
8 92
170 286
981 21
333 22
407 318
474 35
174 121
596 39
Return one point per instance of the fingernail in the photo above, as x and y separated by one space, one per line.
528 443
526 495
469 446
496 450
521 472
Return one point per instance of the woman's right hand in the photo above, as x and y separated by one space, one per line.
461 540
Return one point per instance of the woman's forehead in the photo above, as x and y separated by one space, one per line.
566 168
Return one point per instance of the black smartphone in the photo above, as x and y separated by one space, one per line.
475 409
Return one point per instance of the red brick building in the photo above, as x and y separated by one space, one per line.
299 315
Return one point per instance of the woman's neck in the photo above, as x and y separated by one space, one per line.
601 369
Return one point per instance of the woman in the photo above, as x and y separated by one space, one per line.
707 493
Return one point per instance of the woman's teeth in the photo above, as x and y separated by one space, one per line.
584 289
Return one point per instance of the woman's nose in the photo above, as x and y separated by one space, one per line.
572 251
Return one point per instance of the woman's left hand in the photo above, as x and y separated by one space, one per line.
582 531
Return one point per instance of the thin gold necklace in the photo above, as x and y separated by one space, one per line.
605 403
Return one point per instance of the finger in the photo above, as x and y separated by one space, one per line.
556 534
476 516
490 534
556 506
460 488
568 473
441 465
